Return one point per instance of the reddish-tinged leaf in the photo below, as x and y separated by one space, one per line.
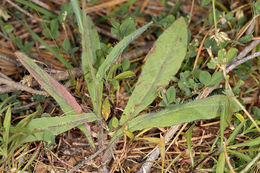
55 89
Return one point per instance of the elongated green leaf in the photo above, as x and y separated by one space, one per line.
118 49
221 163
56 125
235 132
77 11
90 44
66 101
188 136
240 155
164 60
251 142
54 52
124 75
7 124
208 108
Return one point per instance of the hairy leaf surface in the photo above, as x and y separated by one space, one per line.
66 101
118 49
56 125
163 62
208 108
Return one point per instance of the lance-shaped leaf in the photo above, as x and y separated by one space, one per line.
90 44
163 61
56 125
118 49
66 101
208 108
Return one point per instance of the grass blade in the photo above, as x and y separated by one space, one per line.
250 143
57 55
221 163
7 124
37 8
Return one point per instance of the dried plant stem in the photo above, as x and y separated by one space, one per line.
61 75
26 13
236 63
75 168
247 49
155 154
7 58
22 87
227 158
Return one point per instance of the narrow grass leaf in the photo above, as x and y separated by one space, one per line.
117 50
221 163
47 46
77 11
235 132
37 8
188 135
250 143
240 155
163 62
7 124
56 125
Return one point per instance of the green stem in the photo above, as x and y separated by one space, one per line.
214 15
222 6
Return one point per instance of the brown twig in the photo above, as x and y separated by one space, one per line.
22 87
26 13
227 159
155 154
7 58
236 63
75 168
247 49
59 75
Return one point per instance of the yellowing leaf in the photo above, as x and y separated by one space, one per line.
124 75
4 14
106 109
129 134
240 117
151 139
162 150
